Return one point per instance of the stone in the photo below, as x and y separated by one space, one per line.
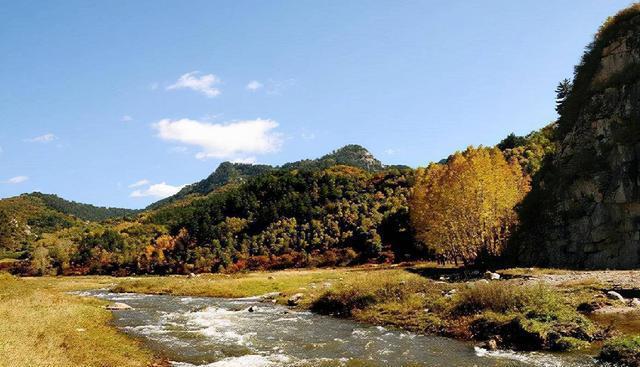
490 344
615 296
294 300
191 275
635 303
118 306
491 275
252 309
270 296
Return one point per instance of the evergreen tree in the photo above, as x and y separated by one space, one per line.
562 92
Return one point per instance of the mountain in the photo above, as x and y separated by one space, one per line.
227 172
584 210
24 218
80 210
350 155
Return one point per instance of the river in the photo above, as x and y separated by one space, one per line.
216 332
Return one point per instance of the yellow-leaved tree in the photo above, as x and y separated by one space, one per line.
466 206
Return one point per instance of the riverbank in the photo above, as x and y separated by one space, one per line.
42 325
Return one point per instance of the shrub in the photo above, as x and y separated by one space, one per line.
525 317
343 303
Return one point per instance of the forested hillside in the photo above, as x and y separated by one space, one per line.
341 209
80 210
25 218
226 173
338 215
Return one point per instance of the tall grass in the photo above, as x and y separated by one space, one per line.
42 326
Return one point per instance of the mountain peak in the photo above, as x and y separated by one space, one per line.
349 155
228 172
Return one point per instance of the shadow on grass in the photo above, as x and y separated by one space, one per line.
446 274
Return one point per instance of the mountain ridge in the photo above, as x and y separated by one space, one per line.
353 155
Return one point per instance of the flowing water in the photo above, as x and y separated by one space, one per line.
216 332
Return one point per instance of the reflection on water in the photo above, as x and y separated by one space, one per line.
214 332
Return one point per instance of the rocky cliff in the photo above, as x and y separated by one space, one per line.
584 211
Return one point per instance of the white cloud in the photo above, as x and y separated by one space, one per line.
126 118
16 180
139 183
236 139
254 85
203 84
42 138
247 160
160 191
390 151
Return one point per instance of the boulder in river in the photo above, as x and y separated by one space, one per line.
270 296
615 296
490 344
489 275
118 306
295 299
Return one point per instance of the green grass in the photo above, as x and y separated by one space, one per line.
41 325
310 282
522 317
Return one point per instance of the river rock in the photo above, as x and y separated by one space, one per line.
615 296
191 275
118 306
295 299
491 275
490 344
252 309
269 296
635 303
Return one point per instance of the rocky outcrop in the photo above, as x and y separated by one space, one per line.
587 200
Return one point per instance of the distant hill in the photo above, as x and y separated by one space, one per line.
24 218
80 210
227 172
350 155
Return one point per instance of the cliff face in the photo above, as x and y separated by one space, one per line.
585 210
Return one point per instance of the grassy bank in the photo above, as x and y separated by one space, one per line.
238 285
41 325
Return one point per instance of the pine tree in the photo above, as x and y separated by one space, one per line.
562 92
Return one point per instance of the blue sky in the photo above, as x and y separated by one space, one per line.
117 103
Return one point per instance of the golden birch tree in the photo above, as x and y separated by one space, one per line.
467 205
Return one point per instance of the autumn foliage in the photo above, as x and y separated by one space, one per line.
466 207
